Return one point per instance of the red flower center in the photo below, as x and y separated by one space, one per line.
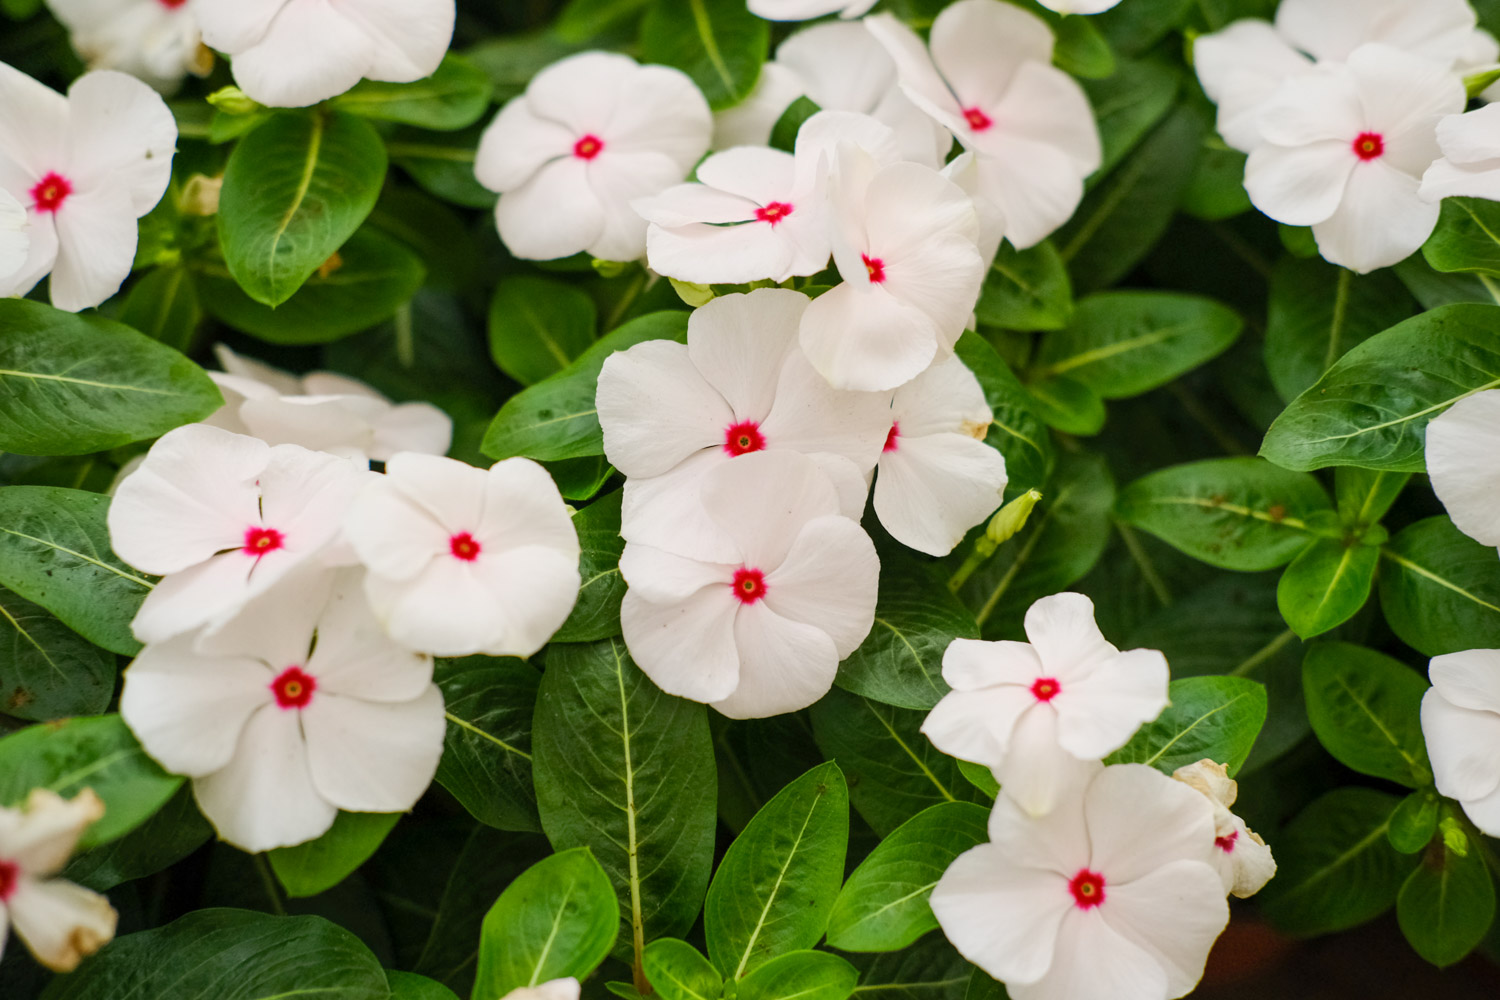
294 689
773 212
588 147
1045 688
749 585
10 875
50 192
259 541
1087 888
1369 146
171 4
876 268
1226 844
892 435
463 546
743 438
978 120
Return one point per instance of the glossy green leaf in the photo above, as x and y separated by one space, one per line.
1467 237
718 43
1447 904
173 832
442 164
48 671
1440 589
1363 495
1209 717
1129 103
455 96
1326 585
1067 404
596 614
1217 190
678 971
1081 50
410 986
164 306
1366 709
1017 432
319 865
929 970
487 752
1026 290
800 975
538 327
1415 821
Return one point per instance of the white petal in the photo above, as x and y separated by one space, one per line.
517 144
393 535
1462 448
750 122
276 627
661 110
1250 861
688 204
865 339
1066 638
60 922
919 78
785 665
1312 107
972 664
1098 713
687 647
419 427
740 343
1035 187
1174 914
33 127
310 52
1406 95
759 174
1239 68
121 136
234 27
1300 185
553 214
1436 29
306 495
667 512
1471 138
712 254
977 725
96 241
656 409
663 577
410 38
1382 220
1037 772
1140 820
452 492
945 398
762 500
41 836
368 756
811 416
1057 842
828 580
1469 679
1002 917
212 591
41 254
931 490
522 507
354 656
1045 107
581 91
1086 946
15 244
978 44
619 179
1485 812
1449 180
1463 744
534 589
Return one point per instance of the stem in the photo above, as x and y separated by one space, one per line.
269 881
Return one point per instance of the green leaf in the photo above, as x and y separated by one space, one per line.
1447 904
1364 495
1213 717
1336 868
1318 312
1067 405
54 551
442 164
1433 289
596 614
1137 27
1235 513
1123 344
70 385
487 752
173 832
163 305
1217 190
628 771
318 865
538 327
678 971
410 986
1326 585
1440 589
784 132
1017 432
584 20
1414 822
556 418
718 43
48 671
1081 50
1366 709
1129 103
1026 290
1372 407
929 970
981 778
894 771
97 752
557 919
754 911
800 975
230 955
295 190
456 96
883 906
1467 237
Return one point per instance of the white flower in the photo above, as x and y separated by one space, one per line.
154 40
806 10
85 166
221 517
1463 460
991 82
299 707
592 133
465 560
1344 151
553 989
1242 858
60 922
761 631
937 477
292 53
1037 712
1470 165
1461 725
905 243
673 413
14 241
752 120
1110 897
1079 6
323 411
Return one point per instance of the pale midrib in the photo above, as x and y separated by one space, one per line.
309 168
1338 575
1493 383
1426 573
88 559
1339 862
31 639
710 46
913 651
83 381
1190 727
462 724
776 889
1231 508
1110 350
1389 736
908 751
541 960
637 917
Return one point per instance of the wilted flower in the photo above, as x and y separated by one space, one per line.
1243 860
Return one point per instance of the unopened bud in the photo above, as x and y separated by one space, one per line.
609 268
233 101
1455 841
1011 518
200 195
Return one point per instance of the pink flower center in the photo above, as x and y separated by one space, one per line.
743 438
892 435
50 192
588 147
1369 146
1045 688
463 546
978 120
773 212
1226 844
259 541
10 875
876 268
1087 888
294 689
171 4
749 585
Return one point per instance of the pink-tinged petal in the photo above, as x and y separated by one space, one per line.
188 709
863 338
972 664
1098 713
209 592
1056 842
1301 185
1382 220
33 128
1468 679
1251 865
410 38
1405 96
749 123
1045 106
310 52
1462 445
392 535
1484 812
96 240
667 512
978 44
368 756
1002 917
41 836
785 665
355 658
450 491
764 499
517 144
533 589
1239 68
661 110
663 577
265 797
1066 638
1320 105
976 725
945 398
920 80
60 922
234 27
522 507
1139 820
1435 29
1086 947
740 343
811 416
619 178
686 647
931 490
759 174
828 580
656 409
1464 745
306 495
553 214
1037 773
121 135
1174 914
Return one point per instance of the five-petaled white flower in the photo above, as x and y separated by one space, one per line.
806 10
566 988
756 624
1037 713
1463 461
1112 896
14 241
1079 6
1344 149
60 923
937 477
297 708
222 517
1470 164
673 413
990 80
154 40
593 133
1243 860
1461 725
465 560
85 166
293 53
